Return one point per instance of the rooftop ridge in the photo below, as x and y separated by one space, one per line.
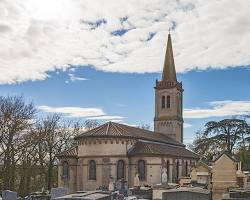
115 127
107 129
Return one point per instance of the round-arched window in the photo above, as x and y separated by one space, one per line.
92 170
120 169
65 174
142 170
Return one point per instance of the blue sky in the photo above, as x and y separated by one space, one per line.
131 95
46 48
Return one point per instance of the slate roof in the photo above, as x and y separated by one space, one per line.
114 130
72 152
154 148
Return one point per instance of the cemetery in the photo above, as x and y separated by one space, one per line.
127 131
192 187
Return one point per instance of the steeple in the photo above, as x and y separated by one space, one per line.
169 73
168 99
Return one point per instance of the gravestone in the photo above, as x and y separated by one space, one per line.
59 192
164 176
111 184
118 185
123 190
136 180
9 195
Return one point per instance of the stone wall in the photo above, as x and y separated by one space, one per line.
102 147
169 120
106 153
72 180
223 176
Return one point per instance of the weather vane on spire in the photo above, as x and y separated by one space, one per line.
169 29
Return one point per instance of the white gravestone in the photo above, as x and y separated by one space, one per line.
136 180
111 184
164 176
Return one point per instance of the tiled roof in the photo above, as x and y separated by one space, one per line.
72 152
153 148
112 129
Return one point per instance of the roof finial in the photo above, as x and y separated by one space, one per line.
169 30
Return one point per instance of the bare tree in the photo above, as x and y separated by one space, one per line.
53 135
90 124
144 126
15 118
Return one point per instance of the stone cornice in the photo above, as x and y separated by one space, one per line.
164 118
105 140
168 84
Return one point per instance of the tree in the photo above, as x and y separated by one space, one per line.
90 124
144 126
53 136
15 119
205 146
227 132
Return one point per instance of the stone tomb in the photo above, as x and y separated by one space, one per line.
59 192
9 195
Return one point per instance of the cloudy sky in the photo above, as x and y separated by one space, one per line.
94 60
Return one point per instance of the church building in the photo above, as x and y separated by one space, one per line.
120 151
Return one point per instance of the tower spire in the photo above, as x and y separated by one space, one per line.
169 66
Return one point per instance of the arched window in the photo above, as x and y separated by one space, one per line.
163 102
168 101
177 169
186 168
92 170
120 169
65 170
141 170
168 168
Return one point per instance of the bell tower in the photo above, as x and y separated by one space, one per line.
168 99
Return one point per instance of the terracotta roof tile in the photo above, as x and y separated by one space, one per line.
72 152
153 148
112 129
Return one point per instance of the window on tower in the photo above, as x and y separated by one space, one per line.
168 101
163 102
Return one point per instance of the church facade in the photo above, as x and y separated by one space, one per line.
122 152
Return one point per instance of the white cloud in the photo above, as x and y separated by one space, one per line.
219 109
79 112
73 111
107 117
41 36
74 78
